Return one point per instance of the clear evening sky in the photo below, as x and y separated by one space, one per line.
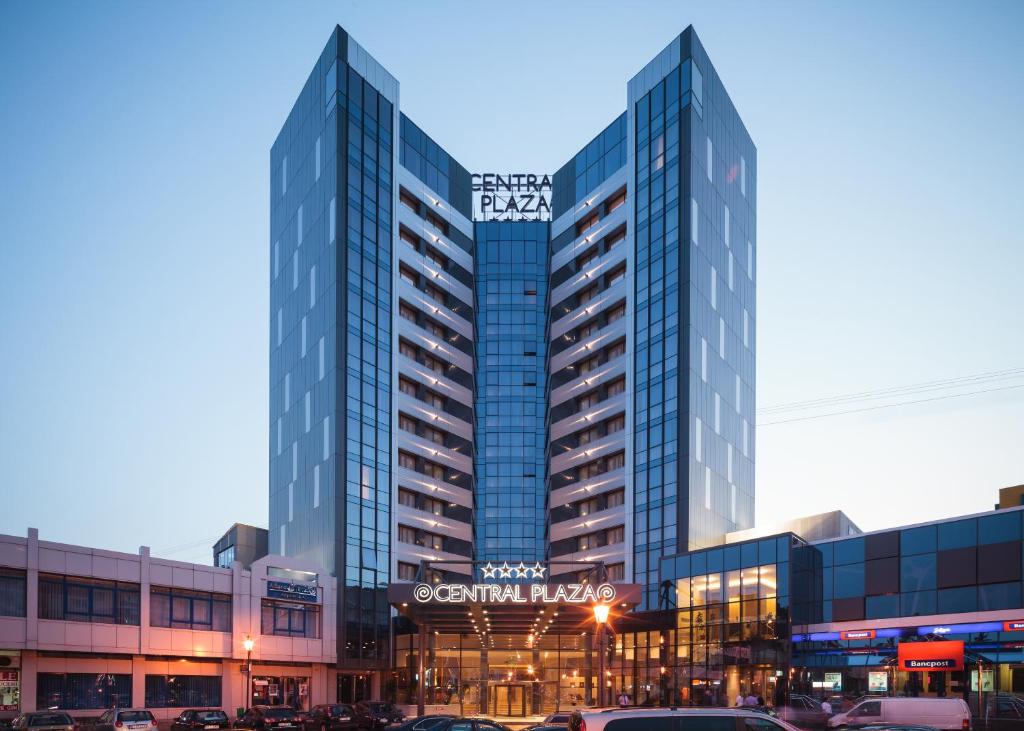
134 157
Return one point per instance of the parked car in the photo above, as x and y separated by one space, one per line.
938 713
895 727
424 723
1004 712
377 714
803 711
260 718
332 717
118 719
560 718
675 719
44 721
193 719
469 724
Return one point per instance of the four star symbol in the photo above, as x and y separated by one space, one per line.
505 571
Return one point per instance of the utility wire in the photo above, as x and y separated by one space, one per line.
944 384
889 406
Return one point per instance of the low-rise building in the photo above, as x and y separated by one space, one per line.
85 629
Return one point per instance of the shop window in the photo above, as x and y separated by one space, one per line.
83 691
183 691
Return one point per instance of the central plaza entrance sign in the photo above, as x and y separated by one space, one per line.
513 593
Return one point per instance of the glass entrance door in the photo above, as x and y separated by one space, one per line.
509 700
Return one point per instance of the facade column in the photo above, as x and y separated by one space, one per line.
588 669
421 652
139 681
32 593
484 674
27 679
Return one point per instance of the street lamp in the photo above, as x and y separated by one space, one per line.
248 644
600 619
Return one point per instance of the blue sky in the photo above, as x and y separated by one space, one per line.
134 145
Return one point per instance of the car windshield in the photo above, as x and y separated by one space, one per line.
131 716
50 719
218 716
379 707
278 713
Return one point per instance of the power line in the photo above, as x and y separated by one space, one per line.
889 406
923 387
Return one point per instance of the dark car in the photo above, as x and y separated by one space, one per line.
43 721
895 727
424 723
124 719
547 727
259 718
194 719
377 714
469 724
332 717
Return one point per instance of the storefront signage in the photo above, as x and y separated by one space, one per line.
858 634
513 593
878 681
512 196
9 690
1013 626
292 591
926 656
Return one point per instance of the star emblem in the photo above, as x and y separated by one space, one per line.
489 570
505 572
538 571
521 570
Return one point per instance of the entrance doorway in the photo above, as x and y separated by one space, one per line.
509 700
353 688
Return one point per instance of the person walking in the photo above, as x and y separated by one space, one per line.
826 707
623 699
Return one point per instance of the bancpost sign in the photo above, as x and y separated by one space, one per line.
513 593
511 197
925 656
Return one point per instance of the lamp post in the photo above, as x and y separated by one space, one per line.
600 619
248 644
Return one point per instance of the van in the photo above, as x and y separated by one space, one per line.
938 713
676 719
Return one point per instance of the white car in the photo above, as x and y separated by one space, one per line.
951 714
676 719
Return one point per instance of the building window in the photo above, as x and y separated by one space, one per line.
616 201
183 691
410 202
83 691
616 350
407 312
407 498
225 558
617 276
407 387
615 499
587 223
184 609
616 571
617 313
407 571
12 593
614 535
616 461
77 599
284 619
408 237
406 535
615 425
616 387
406 461
408 275
406 424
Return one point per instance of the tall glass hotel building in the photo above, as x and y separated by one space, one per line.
447 391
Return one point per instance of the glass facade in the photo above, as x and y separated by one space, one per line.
183 691
83 691
511 365
332 196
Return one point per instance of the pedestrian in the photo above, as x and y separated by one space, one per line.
750 700
623 699
826 707
739 699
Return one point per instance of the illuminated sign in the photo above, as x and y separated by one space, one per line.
513 593
511 197
878 681
925 656
858 634
292 591
1014 626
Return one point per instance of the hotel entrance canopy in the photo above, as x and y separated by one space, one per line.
504 603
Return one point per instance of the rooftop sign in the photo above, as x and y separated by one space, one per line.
511 197
292 590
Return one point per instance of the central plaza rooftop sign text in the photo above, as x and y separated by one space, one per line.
512 196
